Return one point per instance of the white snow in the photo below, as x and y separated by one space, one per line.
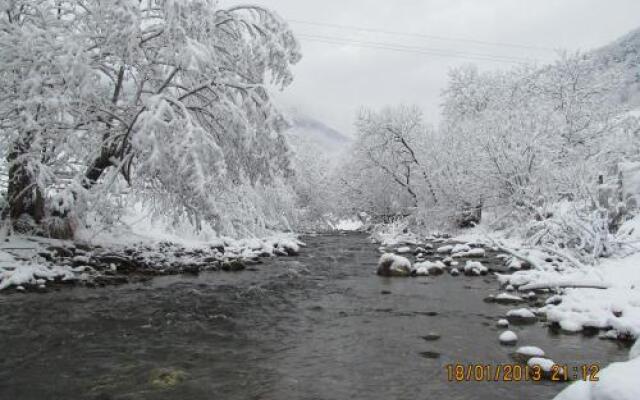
521 313
422 268
20 264
618 381
635 350
349 225
404 249
545 364
508 297
611 302
444 249
460 248
530 351
508 337
503 322
428 267
569 325
32 274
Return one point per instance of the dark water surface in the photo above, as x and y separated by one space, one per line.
311 327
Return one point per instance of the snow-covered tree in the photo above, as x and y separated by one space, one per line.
391 143
171 95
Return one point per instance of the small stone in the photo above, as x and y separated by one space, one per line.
431 313
431 336
503 323
385 292
430 354
164 378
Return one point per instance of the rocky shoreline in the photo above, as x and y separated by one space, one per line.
30 264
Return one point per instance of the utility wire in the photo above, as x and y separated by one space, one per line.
424 36
413 49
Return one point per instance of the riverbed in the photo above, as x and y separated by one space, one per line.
320 325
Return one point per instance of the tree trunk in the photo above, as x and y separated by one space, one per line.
24 196
97 167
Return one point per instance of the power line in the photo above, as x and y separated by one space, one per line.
413 49
424 36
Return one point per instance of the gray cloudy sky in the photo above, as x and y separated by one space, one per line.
334 80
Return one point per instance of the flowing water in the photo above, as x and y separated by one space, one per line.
318 326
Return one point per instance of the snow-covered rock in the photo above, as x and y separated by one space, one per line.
393 265
404 249
429 268
445 249
545 364
421 268
289 246
477 252
569 325
530 351
505 298
460 248
454 272
522 315
475 268
508 337
23 274
503 323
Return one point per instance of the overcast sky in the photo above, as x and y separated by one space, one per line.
334 80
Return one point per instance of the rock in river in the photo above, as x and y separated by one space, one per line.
393 265
508 337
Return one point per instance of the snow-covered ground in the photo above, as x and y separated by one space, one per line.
348 225
618 381
34 262
604 296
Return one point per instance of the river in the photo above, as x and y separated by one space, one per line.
318 326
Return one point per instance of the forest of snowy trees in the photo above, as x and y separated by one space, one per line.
551 150
165 105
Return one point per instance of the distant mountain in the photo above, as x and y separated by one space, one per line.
307 129
624 52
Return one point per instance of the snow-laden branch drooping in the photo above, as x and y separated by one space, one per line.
170 92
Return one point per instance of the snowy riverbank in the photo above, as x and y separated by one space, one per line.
34 263
603 298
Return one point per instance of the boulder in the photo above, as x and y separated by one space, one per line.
393 265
